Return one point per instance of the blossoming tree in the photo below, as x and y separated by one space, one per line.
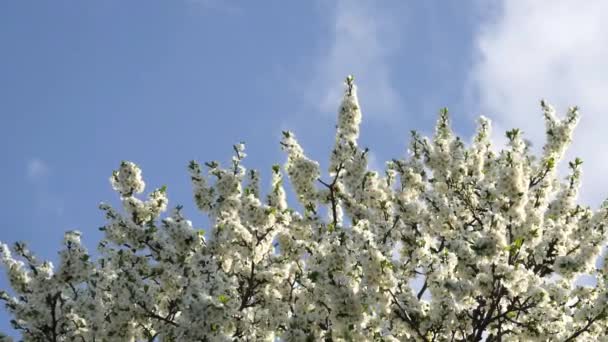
493 240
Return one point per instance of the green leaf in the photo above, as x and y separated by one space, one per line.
276 168
516 245
313 276
212 164
512 134
223 299
163 189
152 229
386 264
271 210
331 227
550 163
576 163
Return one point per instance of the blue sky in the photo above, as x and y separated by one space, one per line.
86 84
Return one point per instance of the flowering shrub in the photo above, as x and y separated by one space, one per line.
494 240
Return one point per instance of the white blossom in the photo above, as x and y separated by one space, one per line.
452 242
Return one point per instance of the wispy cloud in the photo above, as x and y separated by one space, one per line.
373 164
37 172
530 50
363 37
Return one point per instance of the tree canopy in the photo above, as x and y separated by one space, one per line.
454 241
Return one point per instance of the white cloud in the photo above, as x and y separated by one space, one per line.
36 170
363 37
553 50
373 164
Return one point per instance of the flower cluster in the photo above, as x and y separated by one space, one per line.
453 242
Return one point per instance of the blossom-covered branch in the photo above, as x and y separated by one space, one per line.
453 242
